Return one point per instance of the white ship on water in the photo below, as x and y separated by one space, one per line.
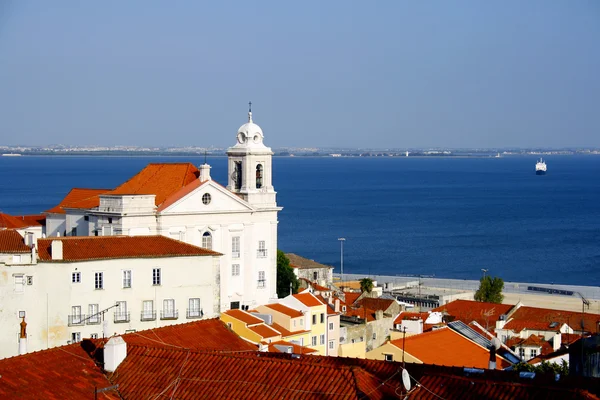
540 167
11 155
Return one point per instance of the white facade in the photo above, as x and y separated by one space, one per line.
239 221
64 301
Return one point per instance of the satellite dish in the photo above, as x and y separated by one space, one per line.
406 380
496 343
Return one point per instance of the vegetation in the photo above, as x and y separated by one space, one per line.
490 290
366 285
543 368
285 276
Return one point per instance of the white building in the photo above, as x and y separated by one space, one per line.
78 287
183 202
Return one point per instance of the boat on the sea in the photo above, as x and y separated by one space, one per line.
498 155
11 155
540 167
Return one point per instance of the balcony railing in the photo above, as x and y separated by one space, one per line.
93 319
148 316
169 314
194 313
261 253
75 320
121 317
262 283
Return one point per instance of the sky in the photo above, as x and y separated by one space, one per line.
385 74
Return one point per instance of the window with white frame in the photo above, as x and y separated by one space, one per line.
76 277
314 340
93 336
262 280
235 247
389 357
522 353
75 315
127 278
93 317
121 311
148 310
331 326
99 280
75 337
19 283
533 353
235 270
207 240
331 344
322 341
262 249
194 310
169 308
156 278
29 280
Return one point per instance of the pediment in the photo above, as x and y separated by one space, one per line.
209 197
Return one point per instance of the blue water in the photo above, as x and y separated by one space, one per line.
447 217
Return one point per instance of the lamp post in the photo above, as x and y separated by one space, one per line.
342 240
484 271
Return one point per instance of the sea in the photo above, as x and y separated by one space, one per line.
446 217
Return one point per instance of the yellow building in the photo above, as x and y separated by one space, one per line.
315 313
289 322
250 327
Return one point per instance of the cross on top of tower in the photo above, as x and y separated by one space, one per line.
249 111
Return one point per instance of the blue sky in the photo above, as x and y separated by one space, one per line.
340 73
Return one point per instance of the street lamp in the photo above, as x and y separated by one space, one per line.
342 240
484 271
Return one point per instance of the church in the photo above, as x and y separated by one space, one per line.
182 202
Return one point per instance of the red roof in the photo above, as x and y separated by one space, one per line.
545 319
411 316
485 314
295 349
375 303
244 316
290 312
12 242
85 248
284 332
160 179
10 222
351 297
446 347
531 341
265 331
308 299
32 220
79 198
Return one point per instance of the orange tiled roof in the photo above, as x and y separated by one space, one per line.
79 198
290 312
541 318
85 248
32 220
12 242
10 222
375 303
297 261
296 349
351 297
446 347
159 179
244 316
181 193
411 315
308 299
265 331
531 341
485 314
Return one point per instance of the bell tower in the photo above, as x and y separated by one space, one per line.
250 166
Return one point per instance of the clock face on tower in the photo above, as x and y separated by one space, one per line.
241 137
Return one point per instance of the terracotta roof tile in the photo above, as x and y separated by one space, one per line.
374 303
290 312
159 179
485 314
299 262
550 320
411 316
10 222
181 193
79 198
265 331
284 332
446 347
244 316
85 248
351 297
308 299
32 220
12 242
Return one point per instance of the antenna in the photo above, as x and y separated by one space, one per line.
406 380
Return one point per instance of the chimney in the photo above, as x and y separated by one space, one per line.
204 172
23 338
379 314
556 341
33 254
56 250
337 305
115 351
492 363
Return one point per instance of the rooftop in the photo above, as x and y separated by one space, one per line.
308 299
485 314
244 316
290 312
297 261
79 198
12 242
544 319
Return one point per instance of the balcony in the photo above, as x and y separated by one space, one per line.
194 313
169 314
93 320
76 320
148 316
121 317
261 253
262 283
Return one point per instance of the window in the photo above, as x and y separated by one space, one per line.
322 318
148 310
121 314
16 259
344 308
314 319
75 315
314 340
362 339
322 341
99 280
30 280
374 336
315 276
235 270
75 337
331 326
533 353
259 176
206 199
127 278
236 177
522 353
207 240
331 344
93 336
234 305
73 231
169 309
262 249
235 247
194 310
156 276
110 220
93 317
389 357
86 218
261 279
76 277
19 283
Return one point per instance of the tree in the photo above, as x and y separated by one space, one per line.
285 276
490 290
543 368
366 285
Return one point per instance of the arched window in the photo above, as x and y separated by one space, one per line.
259 176
207 240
